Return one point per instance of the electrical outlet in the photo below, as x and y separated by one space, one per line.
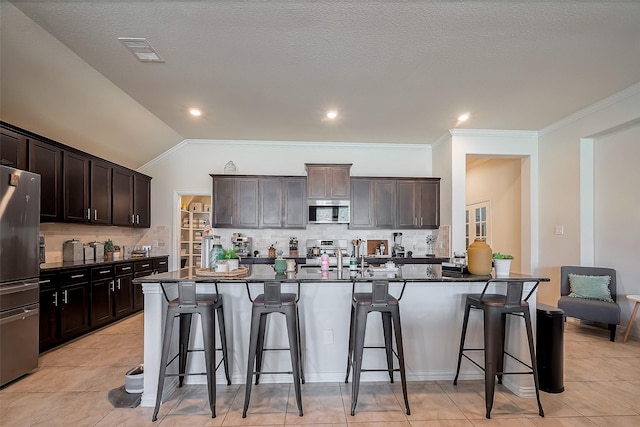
559 229
328 336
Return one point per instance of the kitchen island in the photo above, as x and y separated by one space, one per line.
432 308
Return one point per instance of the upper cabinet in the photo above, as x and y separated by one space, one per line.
13 149
400 203
259 201
328 181
76 186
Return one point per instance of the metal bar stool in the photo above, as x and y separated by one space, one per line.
274 301
378 300
187 304
495 308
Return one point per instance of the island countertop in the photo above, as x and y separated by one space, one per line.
259 273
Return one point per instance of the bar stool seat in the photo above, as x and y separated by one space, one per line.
363 303
183 307
269 302
495 308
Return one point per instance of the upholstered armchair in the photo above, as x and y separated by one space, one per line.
595 308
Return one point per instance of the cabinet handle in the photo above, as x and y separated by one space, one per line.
162 262
89 214
126 268
145 265
105 272
231 219
137 219
55 299
118 284
44 281
133 219
77 276
65 296
113 289
95 214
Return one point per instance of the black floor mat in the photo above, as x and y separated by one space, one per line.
119 398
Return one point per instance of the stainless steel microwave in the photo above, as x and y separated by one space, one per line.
329 212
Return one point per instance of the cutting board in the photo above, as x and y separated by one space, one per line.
373 244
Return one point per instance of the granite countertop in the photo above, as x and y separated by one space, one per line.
260 273
50 266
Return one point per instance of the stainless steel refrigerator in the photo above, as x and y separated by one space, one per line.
19 271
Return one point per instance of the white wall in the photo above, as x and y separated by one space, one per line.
613 126
186 168
498 182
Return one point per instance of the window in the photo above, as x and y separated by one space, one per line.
478 222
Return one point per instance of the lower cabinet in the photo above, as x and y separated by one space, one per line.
49 312
102 289
73 297
123 290
141 269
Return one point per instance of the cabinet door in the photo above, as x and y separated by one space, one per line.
317 182
101 301
46 160
429 204
100 192
247 202
142 201
406 205
271 203
13 149
122 197
123 296
76 187
361 203
295 202
340 183
223 201
384 203
49 336
74 310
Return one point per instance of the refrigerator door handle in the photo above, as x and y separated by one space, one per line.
4 290
19 316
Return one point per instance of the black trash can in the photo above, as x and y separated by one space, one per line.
550 348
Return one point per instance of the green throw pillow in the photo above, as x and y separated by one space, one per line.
590 287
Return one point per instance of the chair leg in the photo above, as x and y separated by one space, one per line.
351 338
500 347
292 330
360 326
208 319
185 332
260 348
223 342
467 308
492 335
253 344
388 342
612 330
166 343
400 349
532 353
300 346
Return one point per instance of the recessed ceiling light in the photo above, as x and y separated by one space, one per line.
332 114
463 117
195 112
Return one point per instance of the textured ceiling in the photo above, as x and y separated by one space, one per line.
398 72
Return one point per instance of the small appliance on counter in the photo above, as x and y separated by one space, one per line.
316 248
398 249
98 250
293 247
242 244
72 250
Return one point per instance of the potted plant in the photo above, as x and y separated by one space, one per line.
108 250
116 252
232 258
502 263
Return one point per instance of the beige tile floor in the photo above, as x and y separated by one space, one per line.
602 388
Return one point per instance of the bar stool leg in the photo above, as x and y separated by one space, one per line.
527 321
351 338
166 342
223 342
253 344
260 347
500 347
358 348
300 346
185 332
400 349
492 334
209 344
388 341
467 308
294 349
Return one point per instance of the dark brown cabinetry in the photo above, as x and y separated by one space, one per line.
259 202
131 200
142 201
76 187
101 295
328 181
140 269
123 290
100 192
74 303
13 149
46 159
49 311
400 203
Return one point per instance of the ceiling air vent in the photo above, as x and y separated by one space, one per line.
141 48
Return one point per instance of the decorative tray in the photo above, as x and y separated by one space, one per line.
240 272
